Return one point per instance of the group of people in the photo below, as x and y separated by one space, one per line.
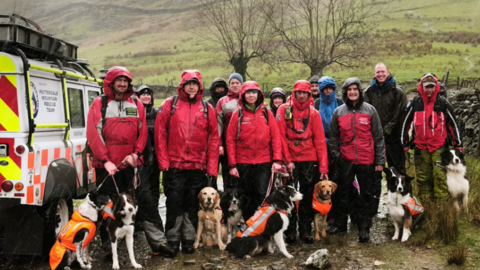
313 133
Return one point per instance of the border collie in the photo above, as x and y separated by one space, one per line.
457 182
88 213
267 224
231 205
119 216
401 206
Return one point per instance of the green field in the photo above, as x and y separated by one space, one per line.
157 41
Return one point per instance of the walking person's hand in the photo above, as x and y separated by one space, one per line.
110 168
221 151
290 168
324 176
276 168
130 160
378 168
234 172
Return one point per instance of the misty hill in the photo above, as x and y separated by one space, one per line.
156 40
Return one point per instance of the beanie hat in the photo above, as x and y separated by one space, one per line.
235 76
251 90
314 79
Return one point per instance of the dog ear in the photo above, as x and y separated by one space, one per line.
334 187
200 196
388 172
217 200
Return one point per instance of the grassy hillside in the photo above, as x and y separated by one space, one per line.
156 40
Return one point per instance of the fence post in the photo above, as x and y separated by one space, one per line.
458 83
447 73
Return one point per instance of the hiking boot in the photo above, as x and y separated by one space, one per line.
291 239
175 246
363 236
165 251
187 247
307 239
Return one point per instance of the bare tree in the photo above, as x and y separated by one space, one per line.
240 28
319 33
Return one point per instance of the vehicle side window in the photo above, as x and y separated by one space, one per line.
91 96
77 112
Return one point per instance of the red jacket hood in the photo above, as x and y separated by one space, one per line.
424 96
186 76
305 86
250 85
112 74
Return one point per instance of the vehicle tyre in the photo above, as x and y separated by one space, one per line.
56 215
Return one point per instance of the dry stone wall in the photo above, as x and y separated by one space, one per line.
466 103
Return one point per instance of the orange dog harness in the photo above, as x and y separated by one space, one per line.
65 239
322 207
414 207
107 211
256 224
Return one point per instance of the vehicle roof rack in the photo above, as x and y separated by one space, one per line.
33 41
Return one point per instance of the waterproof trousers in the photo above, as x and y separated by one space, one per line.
363 205
151 173
227 178
181 188
431 179
147 204
305 176
252 186
395 154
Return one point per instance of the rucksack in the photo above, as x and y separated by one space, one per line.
240 117
174 105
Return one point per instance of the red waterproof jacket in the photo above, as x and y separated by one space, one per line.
258 141
125 131
356 132
433 118
302 136
187 140
224 110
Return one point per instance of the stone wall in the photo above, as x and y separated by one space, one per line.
466 103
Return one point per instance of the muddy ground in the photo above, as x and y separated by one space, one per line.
344 251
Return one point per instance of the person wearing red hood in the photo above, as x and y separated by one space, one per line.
225 107
253 143
117 141
187 142
433 119
305 153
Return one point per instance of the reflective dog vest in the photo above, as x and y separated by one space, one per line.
256 224
414 207
107 211
65 239
322 207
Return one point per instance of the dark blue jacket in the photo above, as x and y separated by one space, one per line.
327 104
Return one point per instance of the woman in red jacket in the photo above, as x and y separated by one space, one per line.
253 143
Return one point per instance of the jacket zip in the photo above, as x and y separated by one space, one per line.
188 132
355 137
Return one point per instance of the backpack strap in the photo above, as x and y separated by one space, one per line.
240 116
103 110
205 108
265 114
174 104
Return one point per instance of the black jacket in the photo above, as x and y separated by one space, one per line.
390 103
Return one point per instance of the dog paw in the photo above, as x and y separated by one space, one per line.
136 265
395 238
247 257
317 238
115 266
404 239
222 246
87 266
195 245
289 256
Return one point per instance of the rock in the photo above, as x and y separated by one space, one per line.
215 260
208 266
277 267
190 262
429 247
378 263
319 259
260 268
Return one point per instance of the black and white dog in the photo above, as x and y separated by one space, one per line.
119 216
401 205
231 205
267 224
78 233
457 182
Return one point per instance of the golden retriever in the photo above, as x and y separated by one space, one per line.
210 231
322 203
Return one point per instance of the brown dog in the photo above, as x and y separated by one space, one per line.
322 203
210 231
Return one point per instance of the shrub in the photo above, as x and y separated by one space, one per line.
458 255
